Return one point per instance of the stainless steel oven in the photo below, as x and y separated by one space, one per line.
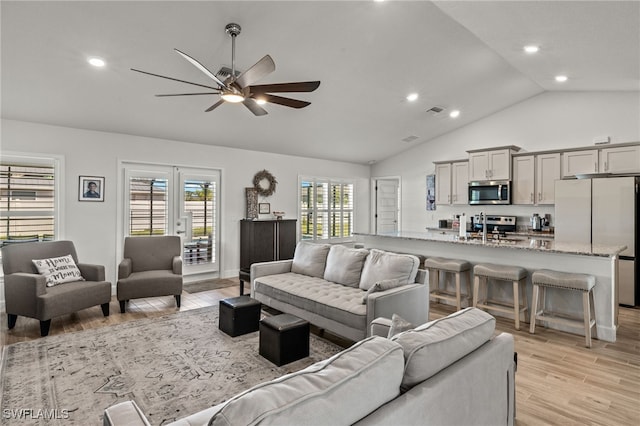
490 192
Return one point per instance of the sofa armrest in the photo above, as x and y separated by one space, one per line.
124 269
380 327
176 265
125 413
262 269
410 301
91 272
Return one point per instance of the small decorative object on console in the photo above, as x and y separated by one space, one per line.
278 215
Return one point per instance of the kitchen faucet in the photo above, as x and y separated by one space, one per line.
484 227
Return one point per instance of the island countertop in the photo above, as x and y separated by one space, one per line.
536 244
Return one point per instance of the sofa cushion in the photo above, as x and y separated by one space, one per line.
325 298
381 265
310 259
58 270
344 265
433 346
339 390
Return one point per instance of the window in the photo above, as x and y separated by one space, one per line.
27 202
326 209
147 206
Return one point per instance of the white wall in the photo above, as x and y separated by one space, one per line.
92 226
551 120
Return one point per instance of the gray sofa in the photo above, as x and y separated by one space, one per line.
27 293
342 289
452 371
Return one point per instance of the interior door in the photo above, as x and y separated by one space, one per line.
168 200
387 202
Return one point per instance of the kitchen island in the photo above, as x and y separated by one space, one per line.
532 254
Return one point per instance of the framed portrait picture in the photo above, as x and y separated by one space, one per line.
91 188
264 208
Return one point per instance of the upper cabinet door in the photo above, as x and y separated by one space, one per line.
500 164
578 162
624 159
478 166
460 182
443 184
523 188
547 172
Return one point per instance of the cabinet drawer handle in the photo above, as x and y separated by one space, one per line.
539 196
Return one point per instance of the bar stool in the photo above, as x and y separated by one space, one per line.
517 275
435 265
544 278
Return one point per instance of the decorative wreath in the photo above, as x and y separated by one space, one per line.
257 183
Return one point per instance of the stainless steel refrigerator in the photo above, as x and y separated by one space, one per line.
602 211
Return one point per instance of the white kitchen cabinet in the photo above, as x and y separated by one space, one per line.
452 183
534 178
579 162
460 182
443 184
490 165
624 159
524 171
547 173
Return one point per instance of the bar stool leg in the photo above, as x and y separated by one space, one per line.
534 309
587 317
525 305
476 290
469 288
593 313
516 303
457 290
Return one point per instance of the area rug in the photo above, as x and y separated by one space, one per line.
172 366
206 285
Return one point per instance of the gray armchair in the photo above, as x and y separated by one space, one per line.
27 294
151 267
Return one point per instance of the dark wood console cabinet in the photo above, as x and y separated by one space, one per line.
264 241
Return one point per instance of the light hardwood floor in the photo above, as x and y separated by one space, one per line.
559 381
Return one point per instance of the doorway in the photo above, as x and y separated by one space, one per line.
170 200
387 205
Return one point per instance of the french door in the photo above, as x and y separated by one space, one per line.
183 201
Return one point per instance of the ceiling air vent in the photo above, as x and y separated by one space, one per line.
436 110
410 138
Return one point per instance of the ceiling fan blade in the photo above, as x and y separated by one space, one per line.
189 94
214 106
301 86
174 79
293 103
254 107
201 67
260 69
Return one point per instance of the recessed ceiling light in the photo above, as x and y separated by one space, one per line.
412 97
455 113
97 62
561 78
531 48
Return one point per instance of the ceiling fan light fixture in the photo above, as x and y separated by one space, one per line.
261 101
234 98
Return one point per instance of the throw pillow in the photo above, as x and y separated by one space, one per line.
381 265
310 259
398 325
381 286
344 265
58 270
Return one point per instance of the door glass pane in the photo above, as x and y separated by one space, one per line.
148 206
200 204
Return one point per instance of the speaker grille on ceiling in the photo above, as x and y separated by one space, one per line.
225 72
435 110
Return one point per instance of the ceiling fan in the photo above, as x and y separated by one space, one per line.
239 87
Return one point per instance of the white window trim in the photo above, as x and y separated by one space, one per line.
335 240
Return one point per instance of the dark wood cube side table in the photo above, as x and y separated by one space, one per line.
284 338
239 315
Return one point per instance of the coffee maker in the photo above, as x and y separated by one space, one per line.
537 222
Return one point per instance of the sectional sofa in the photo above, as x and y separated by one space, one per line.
342 289
452 371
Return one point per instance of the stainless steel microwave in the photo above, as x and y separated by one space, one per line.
490 192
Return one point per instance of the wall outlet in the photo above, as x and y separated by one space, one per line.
601 140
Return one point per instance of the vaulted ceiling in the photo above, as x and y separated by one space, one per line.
368 56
